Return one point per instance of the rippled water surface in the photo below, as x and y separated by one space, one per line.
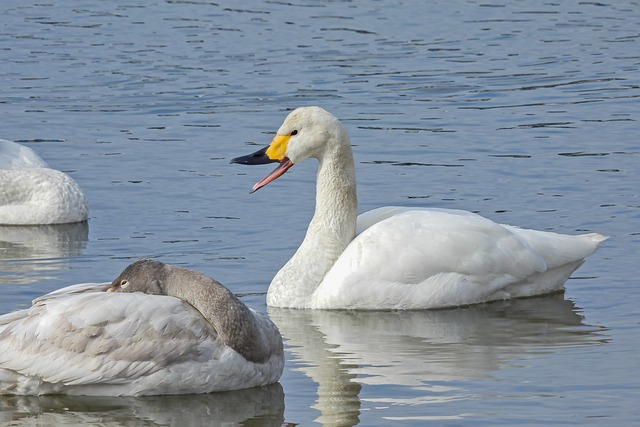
525 112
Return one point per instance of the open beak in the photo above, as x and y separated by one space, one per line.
275 152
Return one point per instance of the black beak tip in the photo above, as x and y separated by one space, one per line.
258 158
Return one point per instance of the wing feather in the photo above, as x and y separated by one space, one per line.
83 338
414 257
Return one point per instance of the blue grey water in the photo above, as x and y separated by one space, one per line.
525 112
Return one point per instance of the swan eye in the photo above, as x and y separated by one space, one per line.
124 284
293 132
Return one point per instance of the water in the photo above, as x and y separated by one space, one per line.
526 113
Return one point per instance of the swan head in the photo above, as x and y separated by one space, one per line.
307 132
145 275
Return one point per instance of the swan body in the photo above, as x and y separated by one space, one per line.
31 193
396 257
138 341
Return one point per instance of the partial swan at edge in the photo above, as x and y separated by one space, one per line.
158 329
31 193
396 257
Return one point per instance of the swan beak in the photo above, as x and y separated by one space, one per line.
284 165
275 152
258 158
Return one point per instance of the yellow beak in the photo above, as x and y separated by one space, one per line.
275 152
278 147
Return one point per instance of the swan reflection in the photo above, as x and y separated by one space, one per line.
44 246
265 404
431 352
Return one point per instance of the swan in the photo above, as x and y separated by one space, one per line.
156 329
398 257
31 193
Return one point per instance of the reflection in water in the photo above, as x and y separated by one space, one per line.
428 351
260 406
46 243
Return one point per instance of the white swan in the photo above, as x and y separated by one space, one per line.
401 258
82 340
31 193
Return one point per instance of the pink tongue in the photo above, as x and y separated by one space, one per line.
284 165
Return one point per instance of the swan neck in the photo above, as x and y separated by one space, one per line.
330 231
234 322
336 198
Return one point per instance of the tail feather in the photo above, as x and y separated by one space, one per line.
558 249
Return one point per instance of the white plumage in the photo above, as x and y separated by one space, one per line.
401 258
31 193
